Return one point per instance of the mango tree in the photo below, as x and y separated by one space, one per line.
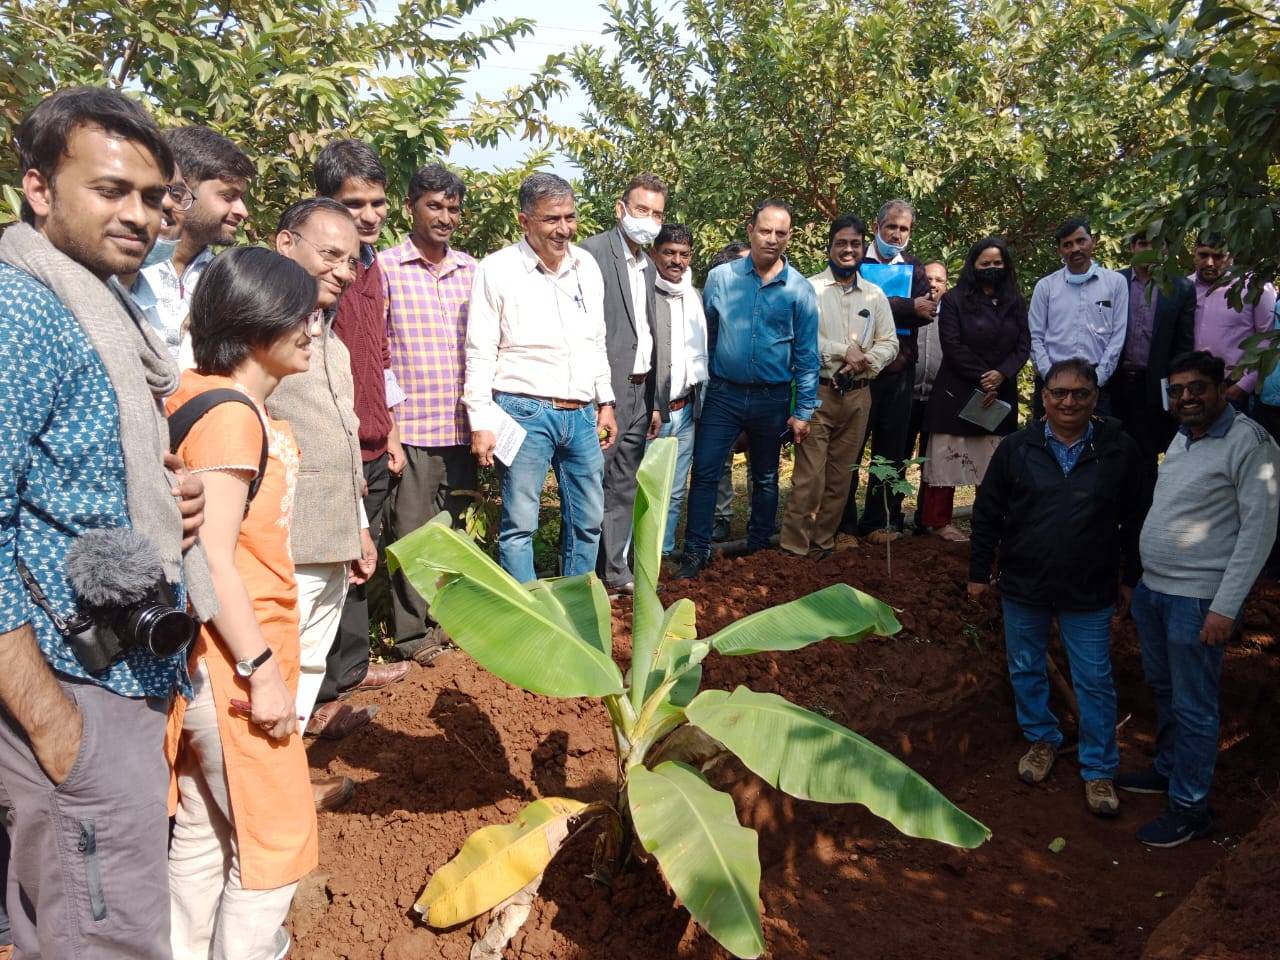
554 637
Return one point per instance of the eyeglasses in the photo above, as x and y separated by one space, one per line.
640 211
181 195
1196 388
332 258
1078 394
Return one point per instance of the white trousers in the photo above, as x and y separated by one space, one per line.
211 916
322 590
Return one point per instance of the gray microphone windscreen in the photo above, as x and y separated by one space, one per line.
113 567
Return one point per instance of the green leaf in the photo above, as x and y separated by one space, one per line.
838 611
583 604
649 525
678 634
711 861
808 756
532 644
497 861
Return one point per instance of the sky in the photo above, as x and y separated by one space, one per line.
561 25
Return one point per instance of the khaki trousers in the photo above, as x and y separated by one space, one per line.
212 916
322 590
823 469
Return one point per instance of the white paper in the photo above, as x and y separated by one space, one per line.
395 394
510 436
1164 393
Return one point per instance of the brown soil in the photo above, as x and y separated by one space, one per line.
455 749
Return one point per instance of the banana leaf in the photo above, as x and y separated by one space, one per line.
649 526
838 611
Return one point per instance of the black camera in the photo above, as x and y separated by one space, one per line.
842 383
102 634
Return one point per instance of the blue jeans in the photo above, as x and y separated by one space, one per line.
681 426
761 410
1183 675
565 441
1087 638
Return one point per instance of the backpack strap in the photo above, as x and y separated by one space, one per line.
186 416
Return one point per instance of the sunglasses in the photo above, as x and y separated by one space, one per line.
1078 394
1196 388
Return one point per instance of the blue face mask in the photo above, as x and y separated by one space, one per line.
1078 278
162 251
886 250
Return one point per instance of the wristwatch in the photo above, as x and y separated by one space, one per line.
606 403
246 668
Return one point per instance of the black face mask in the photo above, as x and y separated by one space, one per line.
990 276
841 272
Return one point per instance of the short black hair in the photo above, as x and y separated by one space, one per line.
847 221
1077 365
1200 361
43 134
436 178
344 160
296 215
248 297
773 203
1069 226
645 181
727 254
674 233
1211 239
203 154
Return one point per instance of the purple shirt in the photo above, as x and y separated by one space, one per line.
1220 328
1142 322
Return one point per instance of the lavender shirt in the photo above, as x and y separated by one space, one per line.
1220 328
1142 323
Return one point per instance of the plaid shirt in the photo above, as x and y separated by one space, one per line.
427 326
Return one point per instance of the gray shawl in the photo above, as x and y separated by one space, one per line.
142 375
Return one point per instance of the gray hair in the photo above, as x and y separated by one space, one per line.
897 203
542 186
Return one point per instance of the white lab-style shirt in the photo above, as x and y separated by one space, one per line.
636 263
534 332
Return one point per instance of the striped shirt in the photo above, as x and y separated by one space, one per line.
427 307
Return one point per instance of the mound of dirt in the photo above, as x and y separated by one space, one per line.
454 749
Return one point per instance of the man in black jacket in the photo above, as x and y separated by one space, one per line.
1161 326
1057 511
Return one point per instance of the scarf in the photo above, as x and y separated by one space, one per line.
688 334
675 289
142 375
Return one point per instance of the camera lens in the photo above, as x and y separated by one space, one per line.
163 629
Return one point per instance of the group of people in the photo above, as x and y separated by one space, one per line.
203 448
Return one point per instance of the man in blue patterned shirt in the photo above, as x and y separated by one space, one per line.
83 777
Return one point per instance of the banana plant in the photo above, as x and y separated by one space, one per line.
554 637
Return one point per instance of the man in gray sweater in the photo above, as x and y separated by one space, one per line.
1203 544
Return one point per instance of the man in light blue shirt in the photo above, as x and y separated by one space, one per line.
762 337
1081 310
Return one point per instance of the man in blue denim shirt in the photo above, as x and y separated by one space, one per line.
83 778
762 336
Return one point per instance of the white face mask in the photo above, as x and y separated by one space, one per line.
643 232
163 250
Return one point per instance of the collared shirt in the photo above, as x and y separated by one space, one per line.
764 332
1218 429
62 474
165 297
853 313
535 331
1143 297
1221 328
688 336
636 263
1087 320
1067 456
428 306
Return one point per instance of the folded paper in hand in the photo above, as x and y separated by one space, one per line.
509 436
988 418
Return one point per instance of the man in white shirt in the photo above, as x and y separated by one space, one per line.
1081 311
679 386
637 349
536 356
217 173
857 339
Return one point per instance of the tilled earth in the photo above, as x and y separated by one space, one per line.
454 749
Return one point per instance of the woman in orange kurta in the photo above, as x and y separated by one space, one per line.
245 825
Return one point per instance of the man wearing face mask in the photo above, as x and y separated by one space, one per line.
902 276
638 348
1081 310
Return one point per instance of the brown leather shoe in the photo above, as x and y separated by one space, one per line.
381 674
336 720
330 793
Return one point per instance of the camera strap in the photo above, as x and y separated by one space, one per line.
40 600
186 416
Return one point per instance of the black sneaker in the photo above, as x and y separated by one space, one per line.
721 531
1174 828
691 567
1142 781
